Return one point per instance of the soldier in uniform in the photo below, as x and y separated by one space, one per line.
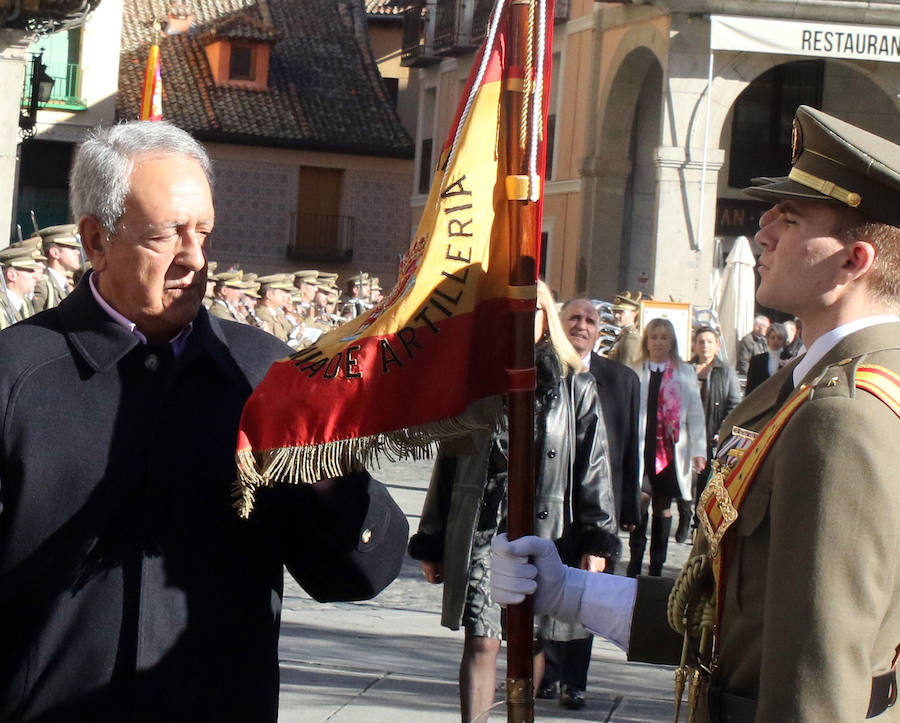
229 285
375 294
792 593
210 285
627 349
62 248
354 304
275 289
21 270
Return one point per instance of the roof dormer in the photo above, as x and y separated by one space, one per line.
238 52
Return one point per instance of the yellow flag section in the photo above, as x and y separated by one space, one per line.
399 377
151 96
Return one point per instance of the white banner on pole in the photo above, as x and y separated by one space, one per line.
805 37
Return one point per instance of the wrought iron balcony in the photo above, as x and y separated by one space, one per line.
321 237
451 34
416 51
66 93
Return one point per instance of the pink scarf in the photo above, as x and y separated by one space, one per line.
668 414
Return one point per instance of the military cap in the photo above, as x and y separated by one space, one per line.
836 162
328 277
627 301
250 288
375 284
20 256
211 269
307 275
35 244
277 281
296 296
63 235
224 276
251 277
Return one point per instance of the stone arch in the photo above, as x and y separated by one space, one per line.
733 72
619 169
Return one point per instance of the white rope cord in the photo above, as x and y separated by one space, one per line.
537 104
485 58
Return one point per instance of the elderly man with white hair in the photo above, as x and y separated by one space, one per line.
129 588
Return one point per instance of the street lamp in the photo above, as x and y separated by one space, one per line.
41 88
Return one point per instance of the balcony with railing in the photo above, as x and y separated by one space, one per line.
416 51
451 28
481 18
322 237
66 93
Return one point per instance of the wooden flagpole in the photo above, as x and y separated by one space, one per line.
523 230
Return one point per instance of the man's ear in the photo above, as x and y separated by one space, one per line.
93 234
860 257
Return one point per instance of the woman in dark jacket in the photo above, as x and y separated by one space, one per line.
464 507
764 365
720 393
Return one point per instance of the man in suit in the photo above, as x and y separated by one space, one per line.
130 590
800 522
752 343
619 391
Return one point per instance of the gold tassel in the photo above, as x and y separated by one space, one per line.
308 464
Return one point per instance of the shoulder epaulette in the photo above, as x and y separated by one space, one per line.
882 383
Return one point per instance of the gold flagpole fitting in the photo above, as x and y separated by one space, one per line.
519 700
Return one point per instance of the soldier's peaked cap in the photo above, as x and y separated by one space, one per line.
64 235
836 162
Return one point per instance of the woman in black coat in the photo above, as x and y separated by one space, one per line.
764 365
574 506
720 392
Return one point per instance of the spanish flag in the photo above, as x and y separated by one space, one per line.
151 97
402 376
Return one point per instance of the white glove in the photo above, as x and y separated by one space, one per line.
557 588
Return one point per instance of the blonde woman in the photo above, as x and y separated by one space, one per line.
465 507
671 440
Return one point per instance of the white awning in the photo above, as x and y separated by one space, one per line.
805 37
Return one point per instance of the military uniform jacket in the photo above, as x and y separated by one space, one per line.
130 590
47 294
812 598
221 310
627 349
275 319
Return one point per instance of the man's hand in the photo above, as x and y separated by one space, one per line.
433 571
698 463
593 563
557 589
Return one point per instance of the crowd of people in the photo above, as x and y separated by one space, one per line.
121 560
296 307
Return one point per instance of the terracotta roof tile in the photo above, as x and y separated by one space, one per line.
324 90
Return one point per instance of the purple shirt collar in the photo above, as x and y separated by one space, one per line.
178 341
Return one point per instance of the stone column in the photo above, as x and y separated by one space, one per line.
682 264
599 258
13 64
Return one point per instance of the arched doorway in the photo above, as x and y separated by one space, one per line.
620 188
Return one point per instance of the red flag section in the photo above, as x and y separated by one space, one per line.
401 376
151 97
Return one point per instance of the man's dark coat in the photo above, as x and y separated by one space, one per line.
619 390
129 588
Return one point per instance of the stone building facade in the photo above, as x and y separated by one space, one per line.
656 131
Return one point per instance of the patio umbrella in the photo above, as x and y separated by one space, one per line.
735 303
